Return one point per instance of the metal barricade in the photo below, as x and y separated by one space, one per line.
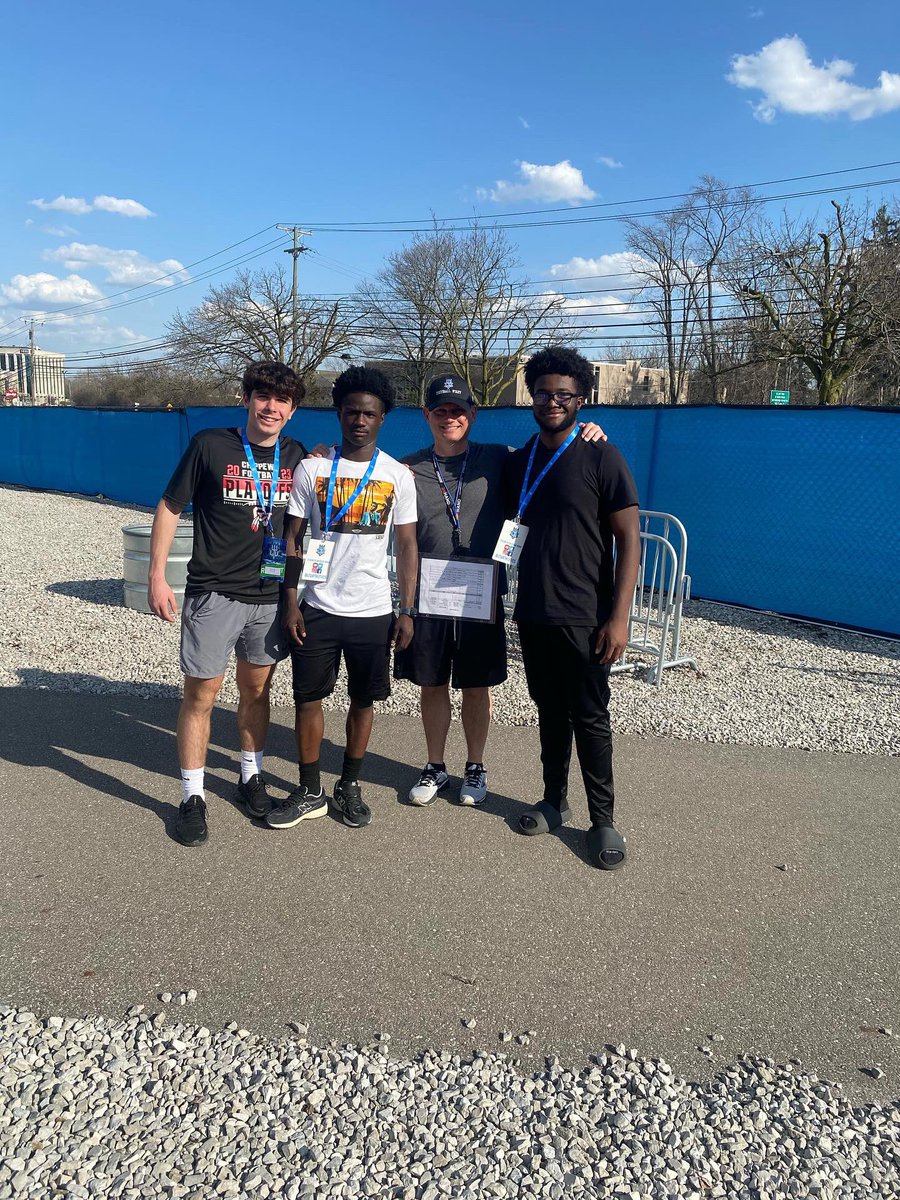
662 588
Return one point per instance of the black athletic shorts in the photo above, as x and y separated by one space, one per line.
470 654
365 643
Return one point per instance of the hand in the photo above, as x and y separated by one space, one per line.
161 599
401 632
591 432
292 620
612 638
320 450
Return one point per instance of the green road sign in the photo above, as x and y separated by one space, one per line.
779 397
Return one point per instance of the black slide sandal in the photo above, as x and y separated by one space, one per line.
606 847
543 818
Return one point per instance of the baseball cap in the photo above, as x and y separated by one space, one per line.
448 389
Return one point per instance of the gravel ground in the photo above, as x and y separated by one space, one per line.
150 1108
761 680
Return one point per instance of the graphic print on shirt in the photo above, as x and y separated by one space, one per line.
369 512
238 486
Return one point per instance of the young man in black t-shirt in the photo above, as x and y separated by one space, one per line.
576 500
238 482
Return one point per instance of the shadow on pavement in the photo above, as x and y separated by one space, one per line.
43 727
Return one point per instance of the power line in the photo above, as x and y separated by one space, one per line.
616 216
741 187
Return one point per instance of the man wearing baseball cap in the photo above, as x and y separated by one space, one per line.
460 514
460 510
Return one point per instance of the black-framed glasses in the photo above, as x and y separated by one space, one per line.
560 397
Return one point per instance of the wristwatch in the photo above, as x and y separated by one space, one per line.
408 611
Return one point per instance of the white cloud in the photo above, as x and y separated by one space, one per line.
70 204
755 13
594 310
623 264
125 208
792 83
524 123
550 182
80 207
121 266
612 163
62 231
74 332
44 288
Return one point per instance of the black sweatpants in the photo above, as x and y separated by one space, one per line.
571 690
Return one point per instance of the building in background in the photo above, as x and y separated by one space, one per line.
31 376
631 382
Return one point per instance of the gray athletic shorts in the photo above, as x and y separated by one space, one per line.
212 626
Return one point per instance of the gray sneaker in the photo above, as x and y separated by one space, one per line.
300 805
430 782
474 786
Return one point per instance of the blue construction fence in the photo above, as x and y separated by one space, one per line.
792 510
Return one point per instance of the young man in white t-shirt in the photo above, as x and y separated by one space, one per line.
349 501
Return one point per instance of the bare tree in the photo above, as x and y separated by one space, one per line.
648 354
670 279
486 312
716 215
151 385
828 298
399 312
252 318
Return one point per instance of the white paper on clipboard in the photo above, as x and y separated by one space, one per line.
464 589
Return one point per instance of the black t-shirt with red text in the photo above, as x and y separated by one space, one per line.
215 476
565 572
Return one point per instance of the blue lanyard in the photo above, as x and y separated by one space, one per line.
329 499
454 504
527 492
260 495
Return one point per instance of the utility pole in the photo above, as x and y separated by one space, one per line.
295 252
33 388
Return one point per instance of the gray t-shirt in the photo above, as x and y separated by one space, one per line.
481 513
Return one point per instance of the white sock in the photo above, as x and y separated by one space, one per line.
251 764
192 784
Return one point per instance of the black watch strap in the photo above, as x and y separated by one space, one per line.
408 611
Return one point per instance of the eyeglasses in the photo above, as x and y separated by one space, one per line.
543 398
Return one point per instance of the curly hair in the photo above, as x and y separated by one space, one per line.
275 379
363 379
560 360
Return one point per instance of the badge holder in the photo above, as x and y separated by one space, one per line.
274 558
510 542
317 560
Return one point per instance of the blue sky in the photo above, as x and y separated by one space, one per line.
154 136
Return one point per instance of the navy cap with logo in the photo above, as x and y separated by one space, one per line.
448 389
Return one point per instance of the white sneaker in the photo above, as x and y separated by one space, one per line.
474 786
430 782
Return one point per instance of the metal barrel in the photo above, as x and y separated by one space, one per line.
136 539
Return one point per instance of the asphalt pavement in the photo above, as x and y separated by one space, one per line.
759 904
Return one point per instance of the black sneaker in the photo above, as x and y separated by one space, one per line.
349 803
300 805
254 798
190 826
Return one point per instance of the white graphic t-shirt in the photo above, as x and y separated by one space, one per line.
357 583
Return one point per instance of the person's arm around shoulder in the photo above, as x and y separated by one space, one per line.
612 638
291 616
160 596
407 552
